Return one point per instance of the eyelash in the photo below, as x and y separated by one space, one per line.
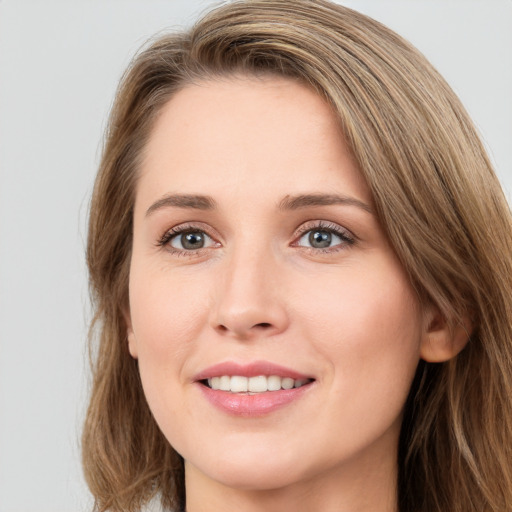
347 238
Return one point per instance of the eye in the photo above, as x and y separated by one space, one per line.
186 239
190 240
324 237
319 239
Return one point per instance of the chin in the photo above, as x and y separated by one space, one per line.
251 470
261 477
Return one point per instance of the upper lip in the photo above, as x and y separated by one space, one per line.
252 369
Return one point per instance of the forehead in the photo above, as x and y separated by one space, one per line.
217 136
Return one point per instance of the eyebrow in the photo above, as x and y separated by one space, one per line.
200 202
196 202
308 200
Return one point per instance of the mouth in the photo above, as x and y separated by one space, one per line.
252 390
253 385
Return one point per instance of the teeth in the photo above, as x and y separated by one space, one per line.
287 383
273 383
225 383
239 384
215 383
259 384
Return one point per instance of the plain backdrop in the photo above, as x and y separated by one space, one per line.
60 62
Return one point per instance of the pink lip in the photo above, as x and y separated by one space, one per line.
242 404
245 404
248 370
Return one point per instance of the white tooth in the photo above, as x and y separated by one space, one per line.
274 383
225 383
287 383
238 384
215 382
257 384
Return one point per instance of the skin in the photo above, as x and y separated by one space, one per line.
345 315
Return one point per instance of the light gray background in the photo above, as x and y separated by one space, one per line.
59 66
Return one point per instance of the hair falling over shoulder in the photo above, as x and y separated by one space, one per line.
436 196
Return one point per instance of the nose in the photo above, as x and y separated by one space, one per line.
249 301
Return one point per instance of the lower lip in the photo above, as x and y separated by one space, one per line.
259 404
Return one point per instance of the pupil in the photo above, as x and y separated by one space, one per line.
192 240
320 239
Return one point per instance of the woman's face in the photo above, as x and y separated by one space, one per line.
259 264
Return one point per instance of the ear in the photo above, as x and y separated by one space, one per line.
130 336
441 340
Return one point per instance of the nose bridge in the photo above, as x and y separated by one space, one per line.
248 299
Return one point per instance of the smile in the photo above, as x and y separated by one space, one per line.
257 384
252 389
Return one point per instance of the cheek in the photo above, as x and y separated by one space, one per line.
167 312
167 316
367 328
367 324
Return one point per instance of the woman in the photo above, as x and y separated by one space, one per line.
300 261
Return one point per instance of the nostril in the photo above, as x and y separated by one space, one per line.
263 325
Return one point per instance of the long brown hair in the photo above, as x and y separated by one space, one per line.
437 198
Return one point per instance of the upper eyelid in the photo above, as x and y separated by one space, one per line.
191 226
323 224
